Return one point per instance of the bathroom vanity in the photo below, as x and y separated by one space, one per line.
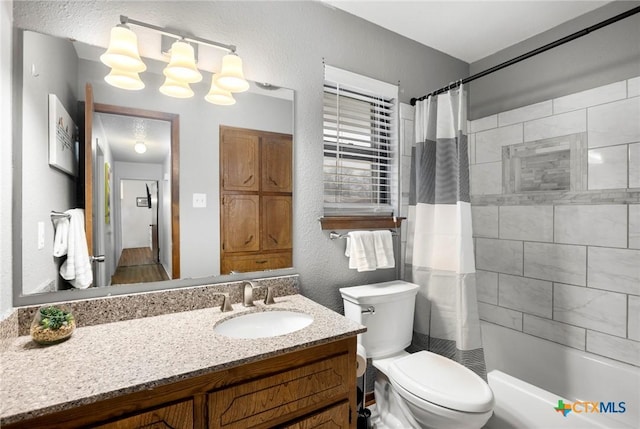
173 371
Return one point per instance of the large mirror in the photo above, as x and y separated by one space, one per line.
155 216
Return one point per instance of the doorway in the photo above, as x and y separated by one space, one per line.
108 123
139 260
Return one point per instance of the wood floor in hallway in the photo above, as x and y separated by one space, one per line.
136 265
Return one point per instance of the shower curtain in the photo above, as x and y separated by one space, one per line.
439 253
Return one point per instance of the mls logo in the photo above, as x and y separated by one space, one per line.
563 408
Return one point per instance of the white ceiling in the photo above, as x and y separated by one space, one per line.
467 30
124 131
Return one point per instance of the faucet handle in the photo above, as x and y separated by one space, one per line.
268 300
226 303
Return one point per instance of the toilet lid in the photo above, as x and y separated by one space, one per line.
442 381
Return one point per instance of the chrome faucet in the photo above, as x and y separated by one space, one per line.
249 286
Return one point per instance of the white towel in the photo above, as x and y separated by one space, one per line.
383 243
77 267
61 236
361 251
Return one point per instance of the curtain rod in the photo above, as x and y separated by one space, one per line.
530 54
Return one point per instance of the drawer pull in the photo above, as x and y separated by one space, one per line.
263 261
273 238
247 181
273 181
249 240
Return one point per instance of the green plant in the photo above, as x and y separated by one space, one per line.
54 318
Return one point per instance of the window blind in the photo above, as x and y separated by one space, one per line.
359 144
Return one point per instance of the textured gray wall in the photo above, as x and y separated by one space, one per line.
39 266
283 43
607 55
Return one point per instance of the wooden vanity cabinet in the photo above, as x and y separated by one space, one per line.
256 200
176 416
311 388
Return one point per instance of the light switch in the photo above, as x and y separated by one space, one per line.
199 200
40 235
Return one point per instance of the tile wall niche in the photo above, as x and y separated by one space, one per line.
557 234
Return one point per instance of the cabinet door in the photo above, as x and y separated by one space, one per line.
336 417
273 400
276 163
276 222
239 160
240 223
176 416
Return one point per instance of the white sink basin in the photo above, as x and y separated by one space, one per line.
263 324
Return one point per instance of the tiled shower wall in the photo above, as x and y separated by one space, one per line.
561 259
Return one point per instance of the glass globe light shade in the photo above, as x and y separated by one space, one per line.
140 147
218 95
182 65
123 53
124 79
231 76
176 88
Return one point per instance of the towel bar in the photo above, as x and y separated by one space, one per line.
57 215
334 235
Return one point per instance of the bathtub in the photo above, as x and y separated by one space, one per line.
529 375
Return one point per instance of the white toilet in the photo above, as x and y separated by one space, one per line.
419 390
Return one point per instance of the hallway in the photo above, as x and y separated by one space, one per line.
137 265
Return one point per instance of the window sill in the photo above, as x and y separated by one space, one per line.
360 222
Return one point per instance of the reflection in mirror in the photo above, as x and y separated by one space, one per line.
135 234
51 65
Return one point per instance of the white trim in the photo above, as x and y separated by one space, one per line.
362 83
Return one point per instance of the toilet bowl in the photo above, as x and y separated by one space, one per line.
432 391
419 390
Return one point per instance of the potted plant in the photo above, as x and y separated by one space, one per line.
52 325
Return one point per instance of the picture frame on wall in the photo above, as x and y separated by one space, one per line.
62 138
107 193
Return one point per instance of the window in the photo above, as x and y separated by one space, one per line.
359 143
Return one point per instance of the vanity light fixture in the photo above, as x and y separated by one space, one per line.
123 58
140 147
218 95
182 66
176 88
122 53
124 79
231 77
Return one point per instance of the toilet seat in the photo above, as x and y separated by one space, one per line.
441 381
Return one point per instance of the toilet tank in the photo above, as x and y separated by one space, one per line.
390 321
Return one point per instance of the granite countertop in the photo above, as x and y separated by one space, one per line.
102 361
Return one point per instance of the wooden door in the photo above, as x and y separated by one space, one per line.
276 222
240 223
239 159
276 163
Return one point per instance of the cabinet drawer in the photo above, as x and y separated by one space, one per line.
274 399
336 417
250 263
177 416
